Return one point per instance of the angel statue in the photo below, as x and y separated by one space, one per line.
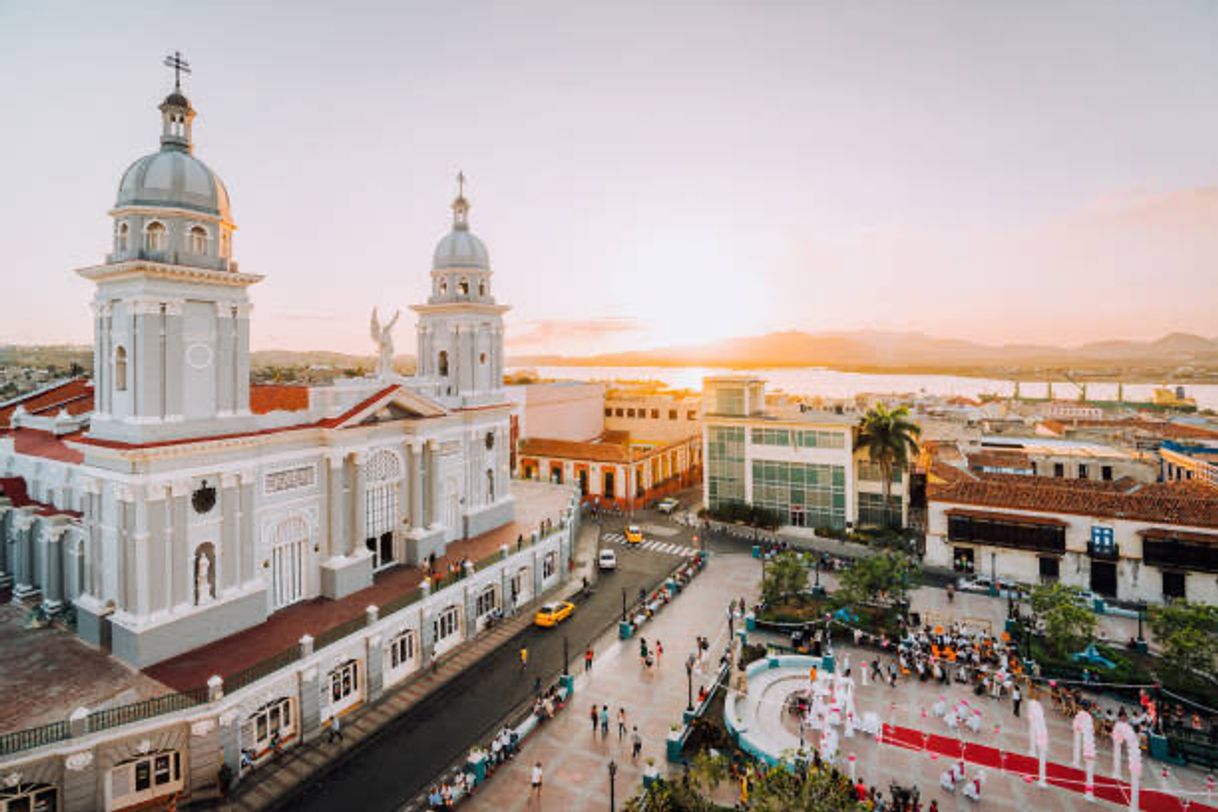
384 343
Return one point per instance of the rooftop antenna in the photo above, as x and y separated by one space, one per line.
179 66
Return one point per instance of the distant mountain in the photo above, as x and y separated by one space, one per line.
873 349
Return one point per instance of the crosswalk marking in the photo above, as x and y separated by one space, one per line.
664 547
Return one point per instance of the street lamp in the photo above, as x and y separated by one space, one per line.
1141 609
689 676
612 776
623 604
565 657
818 572
993 574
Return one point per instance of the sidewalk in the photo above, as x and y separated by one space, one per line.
286 774
575 761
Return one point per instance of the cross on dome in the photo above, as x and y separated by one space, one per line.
461 205
179 66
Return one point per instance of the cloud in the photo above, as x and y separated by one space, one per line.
571 335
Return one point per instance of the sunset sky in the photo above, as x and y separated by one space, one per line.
644 173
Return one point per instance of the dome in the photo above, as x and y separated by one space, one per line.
174 178
461 249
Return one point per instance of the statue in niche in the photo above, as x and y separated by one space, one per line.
205 589
382 335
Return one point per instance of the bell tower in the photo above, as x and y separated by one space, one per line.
460 328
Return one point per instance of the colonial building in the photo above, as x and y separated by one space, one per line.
1124 539
170 504
799 462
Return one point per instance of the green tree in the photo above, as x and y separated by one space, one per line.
785 575
890 439
1069 623
885 578
1188 638
781 789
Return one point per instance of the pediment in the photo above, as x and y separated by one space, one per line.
399 404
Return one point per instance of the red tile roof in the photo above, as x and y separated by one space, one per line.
1161 428
573 450
44 444
999 458
14 488
275 397
75 395
1180 503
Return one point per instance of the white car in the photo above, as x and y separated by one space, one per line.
607 560
982 584
667 506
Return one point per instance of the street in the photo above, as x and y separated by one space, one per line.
414 749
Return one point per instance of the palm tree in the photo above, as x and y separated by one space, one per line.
890 439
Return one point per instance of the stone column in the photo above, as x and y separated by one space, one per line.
175 353
242 360
359 515
433 484
228 552
138 565
125 565
145 373
310 704
51 543
206 756
247 539
335 507
375 660
80 781
179 545
158 554
416 486
223 369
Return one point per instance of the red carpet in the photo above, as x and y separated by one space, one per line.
1059 775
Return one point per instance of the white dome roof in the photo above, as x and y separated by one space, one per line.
174 178
460 249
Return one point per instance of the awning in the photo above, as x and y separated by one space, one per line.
1010 518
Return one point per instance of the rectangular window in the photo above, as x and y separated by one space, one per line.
692 414
1106 473
655 414
1082 471
815 492
1173 585
1050 568
1014 534
401 650
672 414
486 602
549 565
446 623
1059 470
344 681
725 466
630 412
608 412
619 412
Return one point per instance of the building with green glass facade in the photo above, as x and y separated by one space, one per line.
800 463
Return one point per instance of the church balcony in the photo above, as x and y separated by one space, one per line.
176 258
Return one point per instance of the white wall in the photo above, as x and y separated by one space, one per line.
560 411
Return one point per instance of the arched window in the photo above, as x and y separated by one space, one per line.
490 485
443 288
123 230
224 243
154 236
198 240
481 288
382 473
120 369
463 287
443 363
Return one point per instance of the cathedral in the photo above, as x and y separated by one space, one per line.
168 503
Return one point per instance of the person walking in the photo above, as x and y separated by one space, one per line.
643 650
1016 698
595 717
604 719
536 780
336 729
621 723
659 652
524 658
588 660
636 744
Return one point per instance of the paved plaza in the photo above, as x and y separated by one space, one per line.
575 760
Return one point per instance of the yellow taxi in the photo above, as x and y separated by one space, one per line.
551 614
634 534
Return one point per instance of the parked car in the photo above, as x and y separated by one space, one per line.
667 506
634 534
551 614
607 560
982 584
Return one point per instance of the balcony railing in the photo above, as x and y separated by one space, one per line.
1103 552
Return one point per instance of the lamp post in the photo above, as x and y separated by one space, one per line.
689 676
818 572
1141 609
993 574
623 604
612 776
565 657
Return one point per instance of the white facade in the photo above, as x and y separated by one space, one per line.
197 517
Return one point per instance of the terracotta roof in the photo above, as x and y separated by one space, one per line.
1188 502
999 458
1162 428
274 397
574 450
1007 517
44 444
942 471
14 488
75 395
1055 426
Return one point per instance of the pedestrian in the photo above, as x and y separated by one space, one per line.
1016 698
846 665
659 652
524 658
536 782
621 723
595 716
604 719
336 729
643 650
636 744
587 661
